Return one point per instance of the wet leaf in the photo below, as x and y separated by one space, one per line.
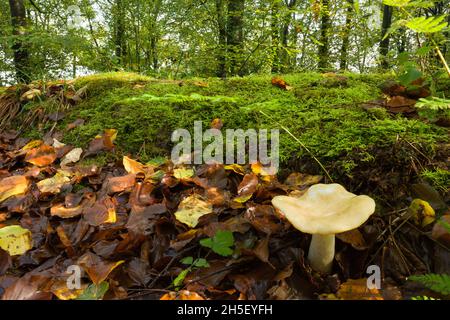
183 173
15 240
354 238
103 211
191 209
132 166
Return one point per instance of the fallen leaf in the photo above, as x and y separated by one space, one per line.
246 188
422 213
12 186
354 238
41 156
182 295
97 268
103 211
280 83
55 183
132 166
357 289
72 156
191 209
15 240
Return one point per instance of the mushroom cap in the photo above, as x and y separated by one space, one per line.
325 209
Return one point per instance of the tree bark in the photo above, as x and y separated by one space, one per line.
222 35
384 43
120 30
235 33
21 54
325 26
343 64
275 37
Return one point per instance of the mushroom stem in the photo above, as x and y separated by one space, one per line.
321 252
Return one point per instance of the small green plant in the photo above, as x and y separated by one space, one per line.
433 103
94 291
437 282
221 243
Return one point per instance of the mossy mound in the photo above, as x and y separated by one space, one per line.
320 111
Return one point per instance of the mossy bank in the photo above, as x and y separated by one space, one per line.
322 112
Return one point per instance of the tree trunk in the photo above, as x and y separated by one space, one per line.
343 64
325 26
235 33
21 54
275 16
284 55
384 43
120 30
222 33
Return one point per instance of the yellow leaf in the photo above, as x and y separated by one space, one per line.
191 209
32 144
356 289
236 168
15 240
183 173
132 166
55 183
421 212
13 186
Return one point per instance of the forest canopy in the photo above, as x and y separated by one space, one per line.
173 39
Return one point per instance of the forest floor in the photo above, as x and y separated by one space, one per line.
67 174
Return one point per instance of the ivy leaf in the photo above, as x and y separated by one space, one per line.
94 292
220 243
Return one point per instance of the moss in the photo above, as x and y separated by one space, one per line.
327 119
439 179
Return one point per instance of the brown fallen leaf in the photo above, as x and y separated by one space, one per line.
182 295
246 188
103 142
354 238
97 268
280 83
41 156
12 186
54 184
103 211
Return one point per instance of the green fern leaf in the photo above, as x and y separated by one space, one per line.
434 103
436 282
427 25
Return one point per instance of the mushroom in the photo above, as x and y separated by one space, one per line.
323 211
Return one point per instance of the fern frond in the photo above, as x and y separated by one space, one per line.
423 298
434 103
436 282
427 25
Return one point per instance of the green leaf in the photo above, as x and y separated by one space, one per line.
187 260
427 25
445 224
220 243
436 282
158 161
433 103
409 76
94 292
201 263
178 281
396 3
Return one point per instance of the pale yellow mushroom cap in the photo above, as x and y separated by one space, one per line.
325 209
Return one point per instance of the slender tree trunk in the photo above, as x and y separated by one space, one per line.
325 26
120 30
275 28
21 54
222 32
284 55
235 33
343 63
384 43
